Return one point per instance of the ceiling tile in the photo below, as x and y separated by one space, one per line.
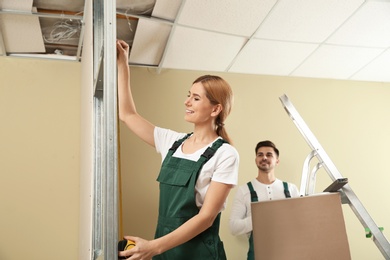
377 70
226 16
149 42
166 9
336 62
60 5
201 50
21 33
20 5
271 57
306 20
138 7
370 27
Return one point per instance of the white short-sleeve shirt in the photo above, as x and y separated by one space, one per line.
222 167
241 214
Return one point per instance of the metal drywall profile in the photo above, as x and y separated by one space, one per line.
98 33
97 213
110 133
98 114
41 14
2 47
105 215
81 38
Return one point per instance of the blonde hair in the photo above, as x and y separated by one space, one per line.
218 91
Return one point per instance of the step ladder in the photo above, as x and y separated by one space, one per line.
339 184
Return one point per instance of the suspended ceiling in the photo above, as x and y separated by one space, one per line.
337 39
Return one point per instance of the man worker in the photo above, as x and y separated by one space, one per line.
264 187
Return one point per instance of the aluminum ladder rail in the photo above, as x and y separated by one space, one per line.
347 193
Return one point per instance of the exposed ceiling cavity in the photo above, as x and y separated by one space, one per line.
336 39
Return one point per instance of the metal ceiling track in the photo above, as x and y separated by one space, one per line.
347 194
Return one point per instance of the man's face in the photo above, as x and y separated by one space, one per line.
266 159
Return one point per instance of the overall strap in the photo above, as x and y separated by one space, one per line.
286 191
210 151
177 143
253 192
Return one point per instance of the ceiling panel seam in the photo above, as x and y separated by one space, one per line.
345 21
324 41
368 63
250 39
169 41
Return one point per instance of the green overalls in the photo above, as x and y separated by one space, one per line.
177 205
251 251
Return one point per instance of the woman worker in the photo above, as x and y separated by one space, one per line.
197 173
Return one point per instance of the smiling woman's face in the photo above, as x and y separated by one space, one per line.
198 106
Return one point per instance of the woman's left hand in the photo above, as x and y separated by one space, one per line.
143 250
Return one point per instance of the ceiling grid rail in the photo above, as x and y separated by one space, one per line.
42 14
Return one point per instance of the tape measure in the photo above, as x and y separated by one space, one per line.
125 245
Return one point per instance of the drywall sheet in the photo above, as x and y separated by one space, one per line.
21 33
304 228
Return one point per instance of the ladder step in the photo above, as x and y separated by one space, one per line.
336 185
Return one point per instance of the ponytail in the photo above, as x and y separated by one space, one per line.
218 91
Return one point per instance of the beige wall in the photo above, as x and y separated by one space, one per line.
350 120
39 159
40 137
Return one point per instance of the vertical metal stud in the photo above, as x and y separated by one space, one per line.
105 216
110 135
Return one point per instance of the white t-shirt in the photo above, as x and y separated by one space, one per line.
241 214
222 167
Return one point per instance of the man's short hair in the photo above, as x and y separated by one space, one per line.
267 143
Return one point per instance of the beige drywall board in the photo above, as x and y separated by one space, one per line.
20 33
303 228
